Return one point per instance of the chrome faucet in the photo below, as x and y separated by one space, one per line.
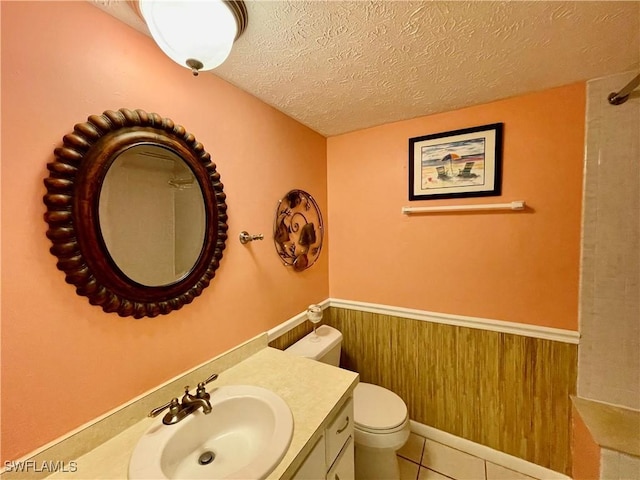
180 409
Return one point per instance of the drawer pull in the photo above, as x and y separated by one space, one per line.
340 430
337 477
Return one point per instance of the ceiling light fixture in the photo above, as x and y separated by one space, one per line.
197 34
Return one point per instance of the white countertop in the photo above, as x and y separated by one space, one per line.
313 391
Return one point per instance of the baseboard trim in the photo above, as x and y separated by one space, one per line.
535 331
486 453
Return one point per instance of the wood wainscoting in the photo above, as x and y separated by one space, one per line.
290 337
508 392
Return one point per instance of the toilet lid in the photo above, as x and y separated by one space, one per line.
376 408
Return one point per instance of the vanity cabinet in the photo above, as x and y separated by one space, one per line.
344 466
332 457
314 466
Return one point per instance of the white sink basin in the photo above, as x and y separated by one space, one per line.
248 432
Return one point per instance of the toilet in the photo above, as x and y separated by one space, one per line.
381 421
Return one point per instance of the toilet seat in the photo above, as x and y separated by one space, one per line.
378 431
378 410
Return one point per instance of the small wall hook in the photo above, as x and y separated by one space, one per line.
245 237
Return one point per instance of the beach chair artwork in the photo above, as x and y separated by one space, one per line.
466 171
456 164
452 164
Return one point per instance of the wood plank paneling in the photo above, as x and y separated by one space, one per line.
292 336
506 391
509 392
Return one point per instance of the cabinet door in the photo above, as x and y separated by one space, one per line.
344 467
340 428
313 467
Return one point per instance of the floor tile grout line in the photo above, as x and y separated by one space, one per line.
421 465
419 461
414 463
408 460
435 471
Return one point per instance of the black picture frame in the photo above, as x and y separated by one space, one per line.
456 164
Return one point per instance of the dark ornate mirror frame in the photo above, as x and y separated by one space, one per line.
72 199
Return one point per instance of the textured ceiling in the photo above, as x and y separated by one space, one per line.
339 66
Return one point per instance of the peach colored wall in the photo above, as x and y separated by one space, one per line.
585 451
519 267
61 62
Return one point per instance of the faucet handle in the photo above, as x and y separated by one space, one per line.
210 379
201 391
172 405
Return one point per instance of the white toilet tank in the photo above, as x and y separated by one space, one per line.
324 346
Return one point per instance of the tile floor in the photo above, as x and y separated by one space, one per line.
423 459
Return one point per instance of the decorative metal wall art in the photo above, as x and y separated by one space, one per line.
298 230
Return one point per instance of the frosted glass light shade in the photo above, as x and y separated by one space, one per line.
202 30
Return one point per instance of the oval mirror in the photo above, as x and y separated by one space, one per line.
152 217
136 213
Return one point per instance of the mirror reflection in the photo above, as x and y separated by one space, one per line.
152 215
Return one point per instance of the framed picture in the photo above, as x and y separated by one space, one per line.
460 163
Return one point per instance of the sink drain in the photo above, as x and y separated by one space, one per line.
206 458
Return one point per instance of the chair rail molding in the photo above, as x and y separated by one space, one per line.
527 330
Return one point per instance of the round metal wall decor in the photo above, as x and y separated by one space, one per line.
298 230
